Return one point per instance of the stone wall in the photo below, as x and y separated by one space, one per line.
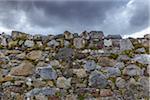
69 66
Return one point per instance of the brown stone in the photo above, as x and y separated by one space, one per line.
34 55
106 62
24 69
105 92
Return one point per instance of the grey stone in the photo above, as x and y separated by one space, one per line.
90 65
126 44
46 72
44 91
98 80
65 54
79 43
29 43
140 50
53 43
142 58
119 65
129 95
120 83
96 35
132 70
113 72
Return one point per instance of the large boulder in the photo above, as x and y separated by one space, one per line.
126 44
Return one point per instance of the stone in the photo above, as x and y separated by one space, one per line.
34 55
71 97
68 35
53 43
119 65
18 35
106 93
62 82
47 91
107 42
120 83
132 70
106 62
65 54
29 43
24 69
96 35
85 35
81 73
126 44
129 95
140 50
89 65
46 72
79 43
142 58
97 80
12 44
3 41
113 72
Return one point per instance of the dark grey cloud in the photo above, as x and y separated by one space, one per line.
110 16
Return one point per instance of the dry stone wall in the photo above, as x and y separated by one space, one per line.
89 66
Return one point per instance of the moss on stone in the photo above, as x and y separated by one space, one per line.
113 56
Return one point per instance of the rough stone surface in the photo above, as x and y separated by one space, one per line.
73 66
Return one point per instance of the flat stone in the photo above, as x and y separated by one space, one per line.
90 65
80 72
142 58
79 43
108 42
46 72
120 83
113 72
140 50
132 70
24 69
34 55
29 43
106 62
119 65
62 82
44 91
97 80
126 44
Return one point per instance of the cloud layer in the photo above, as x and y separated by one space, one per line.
111 16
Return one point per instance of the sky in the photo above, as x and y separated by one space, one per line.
124 17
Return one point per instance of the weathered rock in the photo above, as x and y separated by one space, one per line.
44 91
126 44
108 42
19 35
142 58
68 35
79 43
113 72
24 69
98 80
34 55
90 65
119 65
65 54
46 72
29 43
62 82
96 35
106 62
53 43
132 70
141 50
80 72
120 83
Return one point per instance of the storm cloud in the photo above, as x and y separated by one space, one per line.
44 17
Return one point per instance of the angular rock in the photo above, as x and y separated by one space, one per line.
132 70
106 93
24 69
126 44
29 43
98 80
62 82
46 72
96 35
53 43
34 55
90 65
119 65
107 42
79 43
65 54
68 35
18 35
113 72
